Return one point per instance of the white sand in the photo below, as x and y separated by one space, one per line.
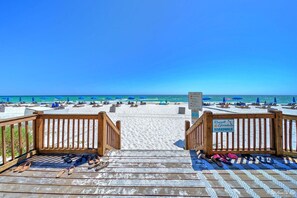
148 126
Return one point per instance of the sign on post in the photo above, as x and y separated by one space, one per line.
223 125
195 100
195 104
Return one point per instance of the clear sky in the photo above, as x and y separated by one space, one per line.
148 47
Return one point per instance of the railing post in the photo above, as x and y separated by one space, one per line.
207 132
187 126
118 124
101 133
39 126
278 131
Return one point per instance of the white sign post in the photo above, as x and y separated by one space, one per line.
195 104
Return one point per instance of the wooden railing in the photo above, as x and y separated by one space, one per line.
289 134
194 137
17 140
25 136
253 133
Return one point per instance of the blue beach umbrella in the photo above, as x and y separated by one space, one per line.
33 99
275 101
93 98
258 100
131 98
7 99
20 99
108 98
206 98
118 97
224 100
81 98
67 99
294 100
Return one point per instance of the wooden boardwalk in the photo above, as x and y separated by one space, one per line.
153 173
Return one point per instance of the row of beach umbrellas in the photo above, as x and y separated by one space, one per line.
240 98
7 99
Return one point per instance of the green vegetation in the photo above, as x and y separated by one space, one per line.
16 142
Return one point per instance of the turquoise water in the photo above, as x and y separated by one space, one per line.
281 99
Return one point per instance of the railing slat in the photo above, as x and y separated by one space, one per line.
290 135
78 133
53 133
58 132
249 134
255 133
73 126
20 138
68 132
265 134
93 139
243 134
260 134
3 128
27 136
88 134
12 140
63 133
83 133
285 135
238 134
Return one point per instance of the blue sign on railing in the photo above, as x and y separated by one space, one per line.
223 125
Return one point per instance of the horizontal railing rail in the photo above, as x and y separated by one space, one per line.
17 140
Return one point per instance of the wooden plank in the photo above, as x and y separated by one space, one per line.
271 128
78 133
67 151
112 125
63 133
247 152
260 133
16 120
207 121
285 134
58 134
238 132
278 132
83 133
3 144
222 140
69 116
289 117
101 133
255 133
265 134
227 141
68 132
20 138
17 160
12 141
217 140
93 138
73 126
88 134
53 133
249 134
233 141
195 125
290 135
39 131
34 134
187 126
27 136
243 134
48 132
241 116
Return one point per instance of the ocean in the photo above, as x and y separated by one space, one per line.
280 99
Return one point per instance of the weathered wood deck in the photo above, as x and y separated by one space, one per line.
153 173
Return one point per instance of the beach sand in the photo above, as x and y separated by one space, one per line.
148 127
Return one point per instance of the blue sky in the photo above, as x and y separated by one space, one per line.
148 47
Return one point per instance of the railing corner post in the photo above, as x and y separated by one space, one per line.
207 123
39 125
101 132
187 126
118 124
278 131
